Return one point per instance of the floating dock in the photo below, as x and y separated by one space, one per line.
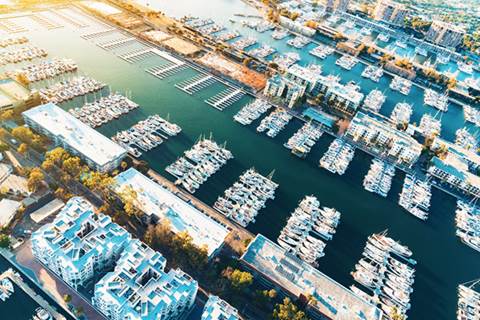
167 70
137 55
95 34
45 22
196 83
225 98
117 43
70 20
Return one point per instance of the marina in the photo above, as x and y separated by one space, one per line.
103 110
69 89
252 111
360 205
415 196
346 62
401 114
138 55
146 135
374 100
466 140
199 163
386 269
401 85
308 229
18 55
322 51
430 126
467 221
304 139
436 100
373 73
338 157
242 201
274 122
379 178
44 70
6 42
298 42
472 115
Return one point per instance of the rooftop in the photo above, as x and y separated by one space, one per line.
139 285
299 278
154 199
78 234
80 137
8 208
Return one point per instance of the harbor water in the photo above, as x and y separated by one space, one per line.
443 261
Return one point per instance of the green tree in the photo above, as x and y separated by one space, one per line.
4 240
288 311
67 298
56 156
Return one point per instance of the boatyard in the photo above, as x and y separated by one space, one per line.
363 214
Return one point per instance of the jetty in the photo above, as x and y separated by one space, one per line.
196 83
225 98
113 44
167 70
96 34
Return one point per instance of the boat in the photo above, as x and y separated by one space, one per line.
6 289
42 314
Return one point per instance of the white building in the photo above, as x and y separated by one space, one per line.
8 209
218 309
275 267
288 90
390 12
140 289
158 203
98 151
445 34
79 242
382 138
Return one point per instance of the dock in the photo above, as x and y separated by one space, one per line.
17 279
113 44
95 34
225 98
196 83
167 70
137 55
45 22
75 23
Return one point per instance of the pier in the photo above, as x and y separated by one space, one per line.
95 34
75 23
225 98
196 83
11 27
116 43
15 278
137 55
167 70
45 22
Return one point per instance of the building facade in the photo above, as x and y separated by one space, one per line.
79 243
380 137
390 12
96 150
445 34
140 289
289 91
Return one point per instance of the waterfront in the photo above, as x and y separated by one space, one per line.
443 261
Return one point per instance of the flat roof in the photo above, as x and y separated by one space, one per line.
79 136
53 206
8 208
299 278
154 199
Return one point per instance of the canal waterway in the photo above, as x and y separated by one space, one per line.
443 261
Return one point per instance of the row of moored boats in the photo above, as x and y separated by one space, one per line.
379 177
338 156
242 201
199 163
308 228
69 89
